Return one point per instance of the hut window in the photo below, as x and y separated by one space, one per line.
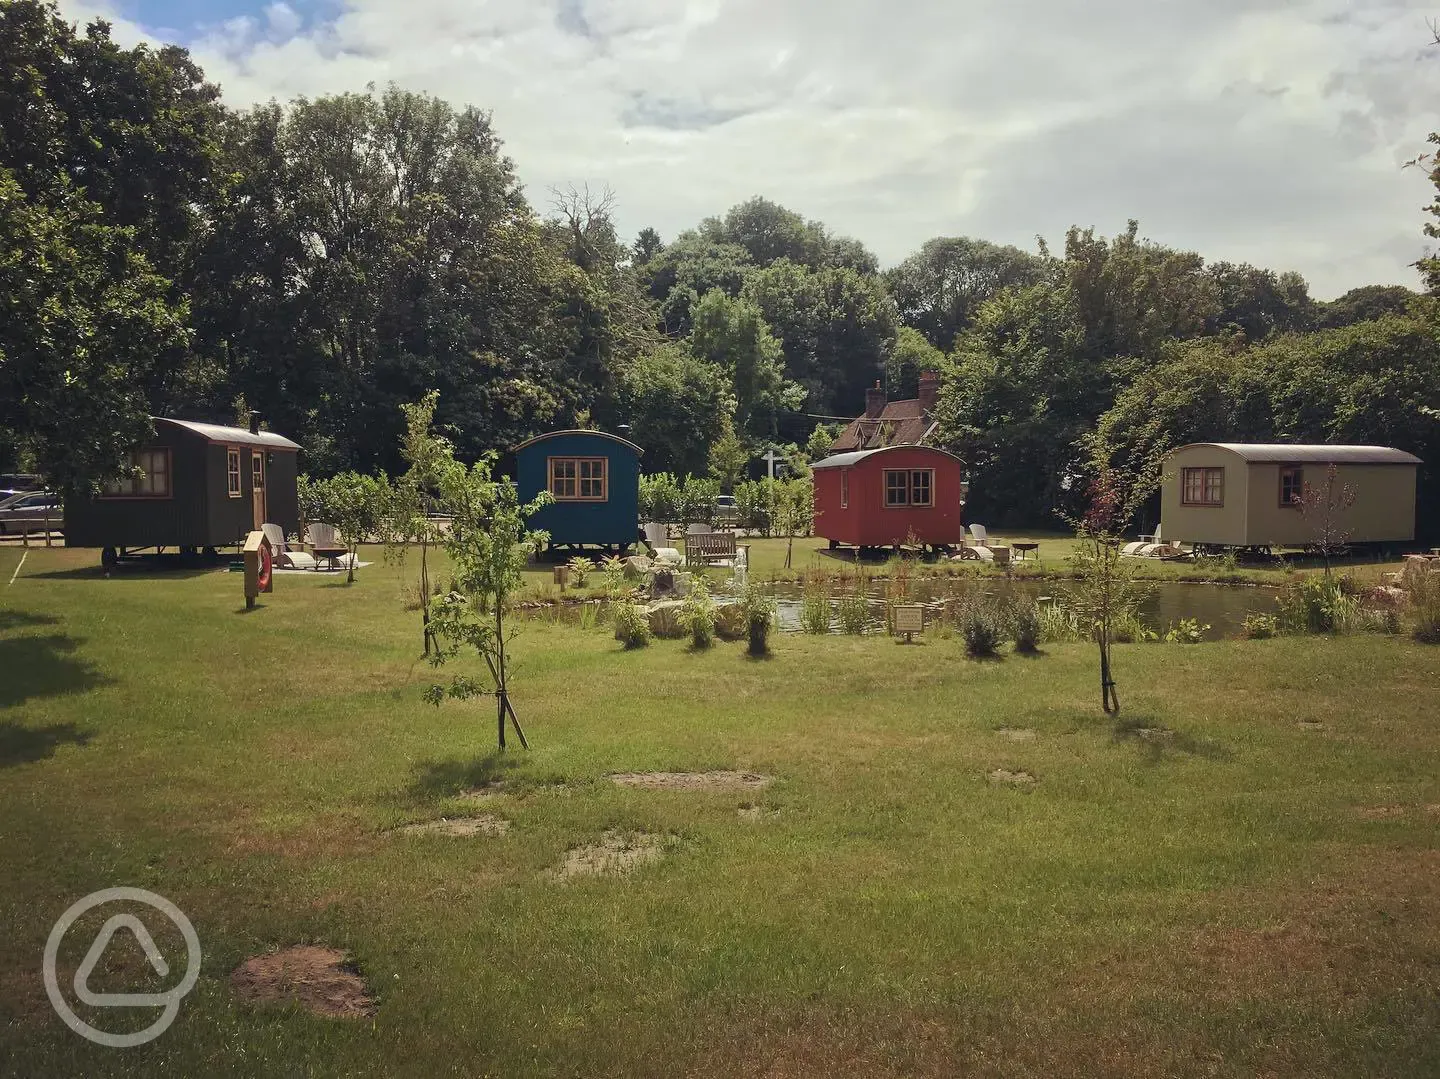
1202 487
153 481
909 487
1292 485
232 471
844 488
579 479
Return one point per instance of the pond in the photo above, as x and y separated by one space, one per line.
1222 607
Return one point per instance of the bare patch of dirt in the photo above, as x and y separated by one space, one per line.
458 826
617 852
500 788
1014 779
756 814
692 781
321 980
1381 812
1018 734
1310 725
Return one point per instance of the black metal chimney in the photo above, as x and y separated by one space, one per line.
254 422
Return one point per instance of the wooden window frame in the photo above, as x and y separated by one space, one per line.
1298 472
579 479
232 458
929 485
909 488
131 496
844 488
1204 501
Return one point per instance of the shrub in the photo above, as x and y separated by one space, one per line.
1058 624
615 575
815 606
1025 625
697 614
1315 604
1186 631
853 610
982 629
632 626
1126 628
1260 627
1425 608
580 568
759 619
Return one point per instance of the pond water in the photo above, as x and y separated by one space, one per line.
1222 607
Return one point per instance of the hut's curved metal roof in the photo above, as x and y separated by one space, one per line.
843 460
577 431
1318 454
238 436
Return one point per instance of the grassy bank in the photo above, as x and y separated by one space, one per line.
1241 877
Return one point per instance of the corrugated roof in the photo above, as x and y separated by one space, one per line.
577 431
1340 455
843 460
234 435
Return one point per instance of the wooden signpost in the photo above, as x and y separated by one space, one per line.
907 618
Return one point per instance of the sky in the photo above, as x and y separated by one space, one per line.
1264 131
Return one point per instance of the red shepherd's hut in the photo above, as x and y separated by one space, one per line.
888 497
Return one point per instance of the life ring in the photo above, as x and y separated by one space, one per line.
263 577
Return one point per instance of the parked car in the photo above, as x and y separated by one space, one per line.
727 511
16 483
29 510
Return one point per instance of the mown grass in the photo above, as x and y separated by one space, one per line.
1206 888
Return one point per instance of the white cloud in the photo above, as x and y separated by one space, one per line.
1265 130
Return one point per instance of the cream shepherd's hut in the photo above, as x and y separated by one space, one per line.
1233 494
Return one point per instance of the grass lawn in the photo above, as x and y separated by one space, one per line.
1241 878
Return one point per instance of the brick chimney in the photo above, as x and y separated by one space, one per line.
874 402
929 390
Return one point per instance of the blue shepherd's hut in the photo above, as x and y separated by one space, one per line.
595 480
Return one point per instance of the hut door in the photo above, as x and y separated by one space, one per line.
257 485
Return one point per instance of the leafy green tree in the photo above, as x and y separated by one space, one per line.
729 457
1259 302
732 335
355 503
940 289
416 501
84 320
835 327
647 245
821 439
1022 393
489 544
687 269
676 405
769 232
1364 304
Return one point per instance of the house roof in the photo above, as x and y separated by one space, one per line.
214 432
907 423
577 431
844 460
1286 454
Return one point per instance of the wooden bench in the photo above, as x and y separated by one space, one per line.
707 547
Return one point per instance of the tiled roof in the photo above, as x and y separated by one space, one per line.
899 422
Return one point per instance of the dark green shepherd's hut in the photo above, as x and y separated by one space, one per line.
197 486
594 478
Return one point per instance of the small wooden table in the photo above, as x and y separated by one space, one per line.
1023 547
329 554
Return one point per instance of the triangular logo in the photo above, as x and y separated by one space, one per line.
97 949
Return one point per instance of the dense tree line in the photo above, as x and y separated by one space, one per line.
326 261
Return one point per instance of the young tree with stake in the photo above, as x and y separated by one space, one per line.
489 544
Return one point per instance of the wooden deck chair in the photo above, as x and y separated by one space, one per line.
982 539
